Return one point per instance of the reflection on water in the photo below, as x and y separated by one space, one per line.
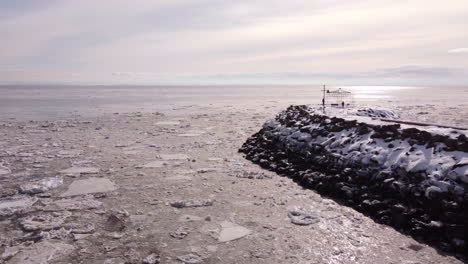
371 96
408 94
376 93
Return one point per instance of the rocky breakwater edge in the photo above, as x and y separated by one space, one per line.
414 179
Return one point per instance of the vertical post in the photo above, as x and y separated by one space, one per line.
323 99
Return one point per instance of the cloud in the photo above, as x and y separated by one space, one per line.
162 40
415 71
402 75
459 50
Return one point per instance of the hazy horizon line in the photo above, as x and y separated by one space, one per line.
228 85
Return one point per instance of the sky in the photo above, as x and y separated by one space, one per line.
197 42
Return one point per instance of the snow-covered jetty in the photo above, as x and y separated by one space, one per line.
412 178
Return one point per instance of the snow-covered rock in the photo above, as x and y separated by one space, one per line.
377 112
402 175
389 146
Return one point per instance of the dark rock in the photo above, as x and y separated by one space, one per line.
114 224
415 247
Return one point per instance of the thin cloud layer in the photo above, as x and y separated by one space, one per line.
204 41
460 50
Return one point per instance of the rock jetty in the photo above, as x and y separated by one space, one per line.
413 179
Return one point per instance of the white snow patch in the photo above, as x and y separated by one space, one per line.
438 164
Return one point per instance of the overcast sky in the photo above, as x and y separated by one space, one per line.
347 42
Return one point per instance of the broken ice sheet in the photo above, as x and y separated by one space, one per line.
85 202
298 217
178 178
191 203
90 185
189 135
80 170
189 218
44 222
40 186
4 170
231 231
190 259
11 205
42 252
69 153
178 156
168 123
155 164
